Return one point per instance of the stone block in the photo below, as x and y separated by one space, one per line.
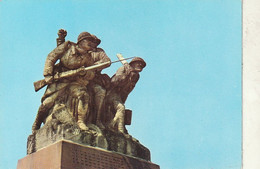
69 155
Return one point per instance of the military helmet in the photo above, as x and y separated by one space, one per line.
138 59
86 35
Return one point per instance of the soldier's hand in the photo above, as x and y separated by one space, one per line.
62 33
88 74
82 70
48 79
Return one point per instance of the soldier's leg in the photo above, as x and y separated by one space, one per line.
83 111
119 118
100 94
43 111
81 105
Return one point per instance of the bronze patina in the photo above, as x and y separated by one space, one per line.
83 105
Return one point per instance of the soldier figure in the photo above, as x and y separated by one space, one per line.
73 91
122 83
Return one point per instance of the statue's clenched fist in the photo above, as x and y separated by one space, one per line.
62 33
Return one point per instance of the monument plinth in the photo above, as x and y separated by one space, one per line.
68 155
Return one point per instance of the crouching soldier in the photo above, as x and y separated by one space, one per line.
122 83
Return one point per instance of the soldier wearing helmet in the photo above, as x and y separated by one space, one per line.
101 81
122 83
73 92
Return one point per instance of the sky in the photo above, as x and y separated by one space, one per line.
187 103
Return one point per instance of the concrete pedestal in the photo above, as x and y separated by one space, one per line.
69 155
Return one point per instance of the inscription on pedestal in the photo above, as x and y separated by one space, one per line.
96 159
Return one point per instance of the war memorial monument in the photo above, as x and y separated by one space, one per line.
81 121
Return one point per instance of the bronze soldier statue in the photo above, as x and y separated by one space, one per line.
122 83
74 90
83 105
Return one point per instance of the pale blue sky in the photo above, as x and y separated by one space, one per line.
187 103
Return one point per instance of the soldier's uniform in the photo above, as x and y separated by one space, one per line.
122 83
99 85
71 91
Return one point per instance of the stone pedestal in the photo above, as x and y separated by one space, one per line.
61 126
68 155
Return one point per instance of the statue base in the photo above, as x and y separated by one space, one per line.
61 126
68 155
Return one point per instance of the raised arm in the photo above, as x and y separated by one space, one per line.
53 57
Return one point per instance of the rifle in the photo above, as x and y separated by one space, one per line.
58 76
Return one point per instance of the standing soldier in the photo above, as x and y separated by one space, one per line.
100 83
122 83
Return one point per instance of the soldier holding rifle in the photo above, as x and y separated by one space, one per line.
69 81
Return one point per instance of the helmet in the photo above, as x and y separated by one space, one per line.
86 35
138 59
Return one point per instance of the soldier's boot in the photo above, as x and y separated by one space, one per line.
82 114
41 115
82 125
99 101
